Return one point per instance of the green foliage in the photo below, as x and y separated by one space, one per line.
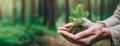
78 15
13 35
78 19
20 35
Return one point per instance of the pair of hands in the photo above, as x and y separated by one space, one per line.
93 34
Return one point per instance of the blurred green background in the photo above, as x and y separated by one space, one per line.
35 22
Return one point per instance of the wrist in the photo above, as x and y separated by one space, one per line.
101 23
107 33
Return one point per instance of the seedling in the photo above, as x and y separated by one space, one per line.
78 19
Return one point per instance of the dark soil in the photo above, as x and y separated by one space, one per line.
77 28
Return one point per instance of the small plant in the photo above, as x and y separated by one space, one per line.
78 19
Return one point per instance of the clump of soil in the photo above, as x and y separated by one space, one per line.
77 28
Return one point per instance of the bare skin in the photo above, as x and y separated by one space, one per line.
93 34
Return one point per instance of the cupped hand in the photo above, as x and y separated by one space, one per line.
88 37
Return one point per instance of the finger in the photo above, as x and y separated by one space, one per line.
68 25
93 38
83 34
68 35
62 28
71 40
98 34
87 40
74 41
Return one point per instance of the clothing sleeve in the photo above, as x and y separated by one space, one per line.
113 24
114 19
115 35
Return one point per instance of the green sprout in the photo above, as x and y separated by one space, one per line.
78 19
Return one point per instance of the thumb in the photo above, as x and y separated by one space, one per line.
88 23
83 34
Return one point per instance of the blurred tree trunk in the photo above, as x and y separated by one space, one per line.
114 4
88 6
0 9
23 11
67 10
56 9
110 6
14 11
50 12
32 16
45 17
51 19
40 8
102 9
76 2
97 9
4 9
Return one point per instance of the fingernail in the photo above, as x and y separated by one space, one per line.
77 35
60 31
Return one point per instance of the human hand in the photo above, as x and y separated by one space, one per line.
88 23
88 37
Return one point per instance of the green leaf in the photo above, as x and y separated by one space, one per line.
78 15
